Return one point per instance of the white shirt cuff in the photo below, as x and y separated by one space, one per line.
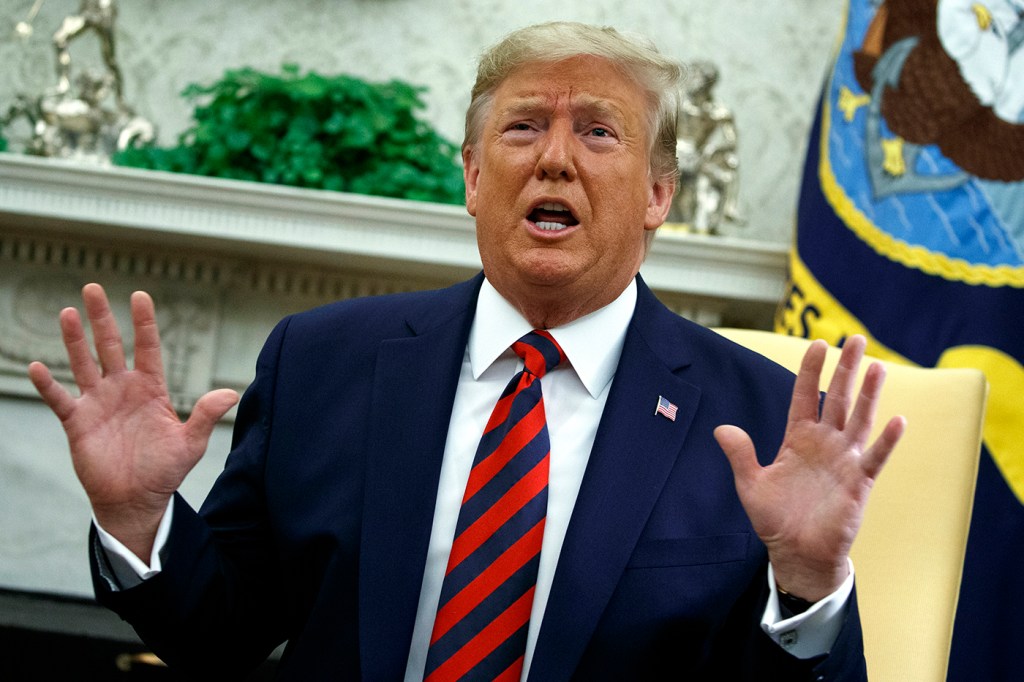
129 570
813 632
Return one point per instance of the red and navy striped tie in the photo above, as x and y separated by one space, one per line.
487 594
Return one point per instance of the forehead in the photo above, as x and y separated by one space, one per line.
582 83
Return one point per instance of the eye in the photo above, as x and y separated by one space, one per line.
600 134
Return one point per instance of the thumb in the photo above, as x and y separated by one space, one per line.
739 450
207 412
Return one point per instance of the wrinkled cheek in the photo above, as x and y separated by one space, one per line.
498 250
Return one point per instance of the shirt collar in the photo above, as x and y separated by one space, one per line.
497 325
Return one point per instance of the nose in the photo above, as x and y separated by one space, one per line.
557 153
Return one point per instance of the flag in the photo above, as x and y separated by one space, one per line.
666 409
910 230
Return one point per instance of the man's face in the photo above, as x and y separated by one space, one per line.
560 185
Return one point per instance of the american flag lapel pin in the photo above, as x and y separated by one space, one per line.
666 409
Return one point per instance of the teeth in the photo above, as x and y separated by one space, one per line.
551 206
550 227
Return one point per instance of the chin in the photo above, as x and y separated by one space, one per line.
548 270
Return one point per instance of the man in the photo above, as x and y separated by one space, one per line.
353 462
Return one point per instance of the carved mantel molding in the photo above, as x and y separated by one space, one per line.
226 259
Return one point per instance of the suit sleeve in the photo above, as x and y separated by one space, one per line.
214 606
760 658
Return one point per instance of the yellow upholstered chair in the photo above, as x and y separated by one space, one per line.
909 553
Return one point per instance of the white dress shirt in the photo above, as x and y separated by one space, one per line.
574 398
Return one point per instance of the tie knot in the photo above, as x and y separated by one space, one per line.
539 351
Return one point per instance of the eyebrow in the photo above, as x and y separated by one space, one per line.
526 105
595 107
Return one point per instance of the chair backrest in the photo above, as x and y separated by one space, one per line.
909 553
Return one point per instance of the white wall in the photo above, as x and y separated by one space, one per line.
773 55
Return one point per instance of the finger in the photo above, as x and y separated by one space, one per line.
843 383
740 452
863 416
806 394
207 411
53 394
878 454
147 335
105 333
83 367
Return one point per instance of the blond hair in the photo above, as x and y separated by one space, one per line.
637 58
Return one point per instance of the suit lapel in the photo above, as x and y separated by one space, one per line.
633 453
414 388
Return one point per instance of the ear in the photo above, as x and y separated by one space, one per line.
660 202
471 176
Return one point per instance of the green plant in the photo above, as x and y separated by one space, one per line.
325 132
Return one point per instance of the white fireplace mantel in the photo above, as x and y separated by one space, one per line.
331 229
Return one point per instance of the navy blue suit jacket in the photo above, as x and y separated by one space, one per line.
317 530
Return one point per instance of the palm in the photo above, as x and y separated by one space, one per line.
807 506
127 440
129 449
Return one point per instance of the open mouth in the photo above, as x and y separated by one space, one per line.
552 216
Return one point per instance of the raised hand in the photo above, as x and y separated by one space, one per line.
128 446
807 506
